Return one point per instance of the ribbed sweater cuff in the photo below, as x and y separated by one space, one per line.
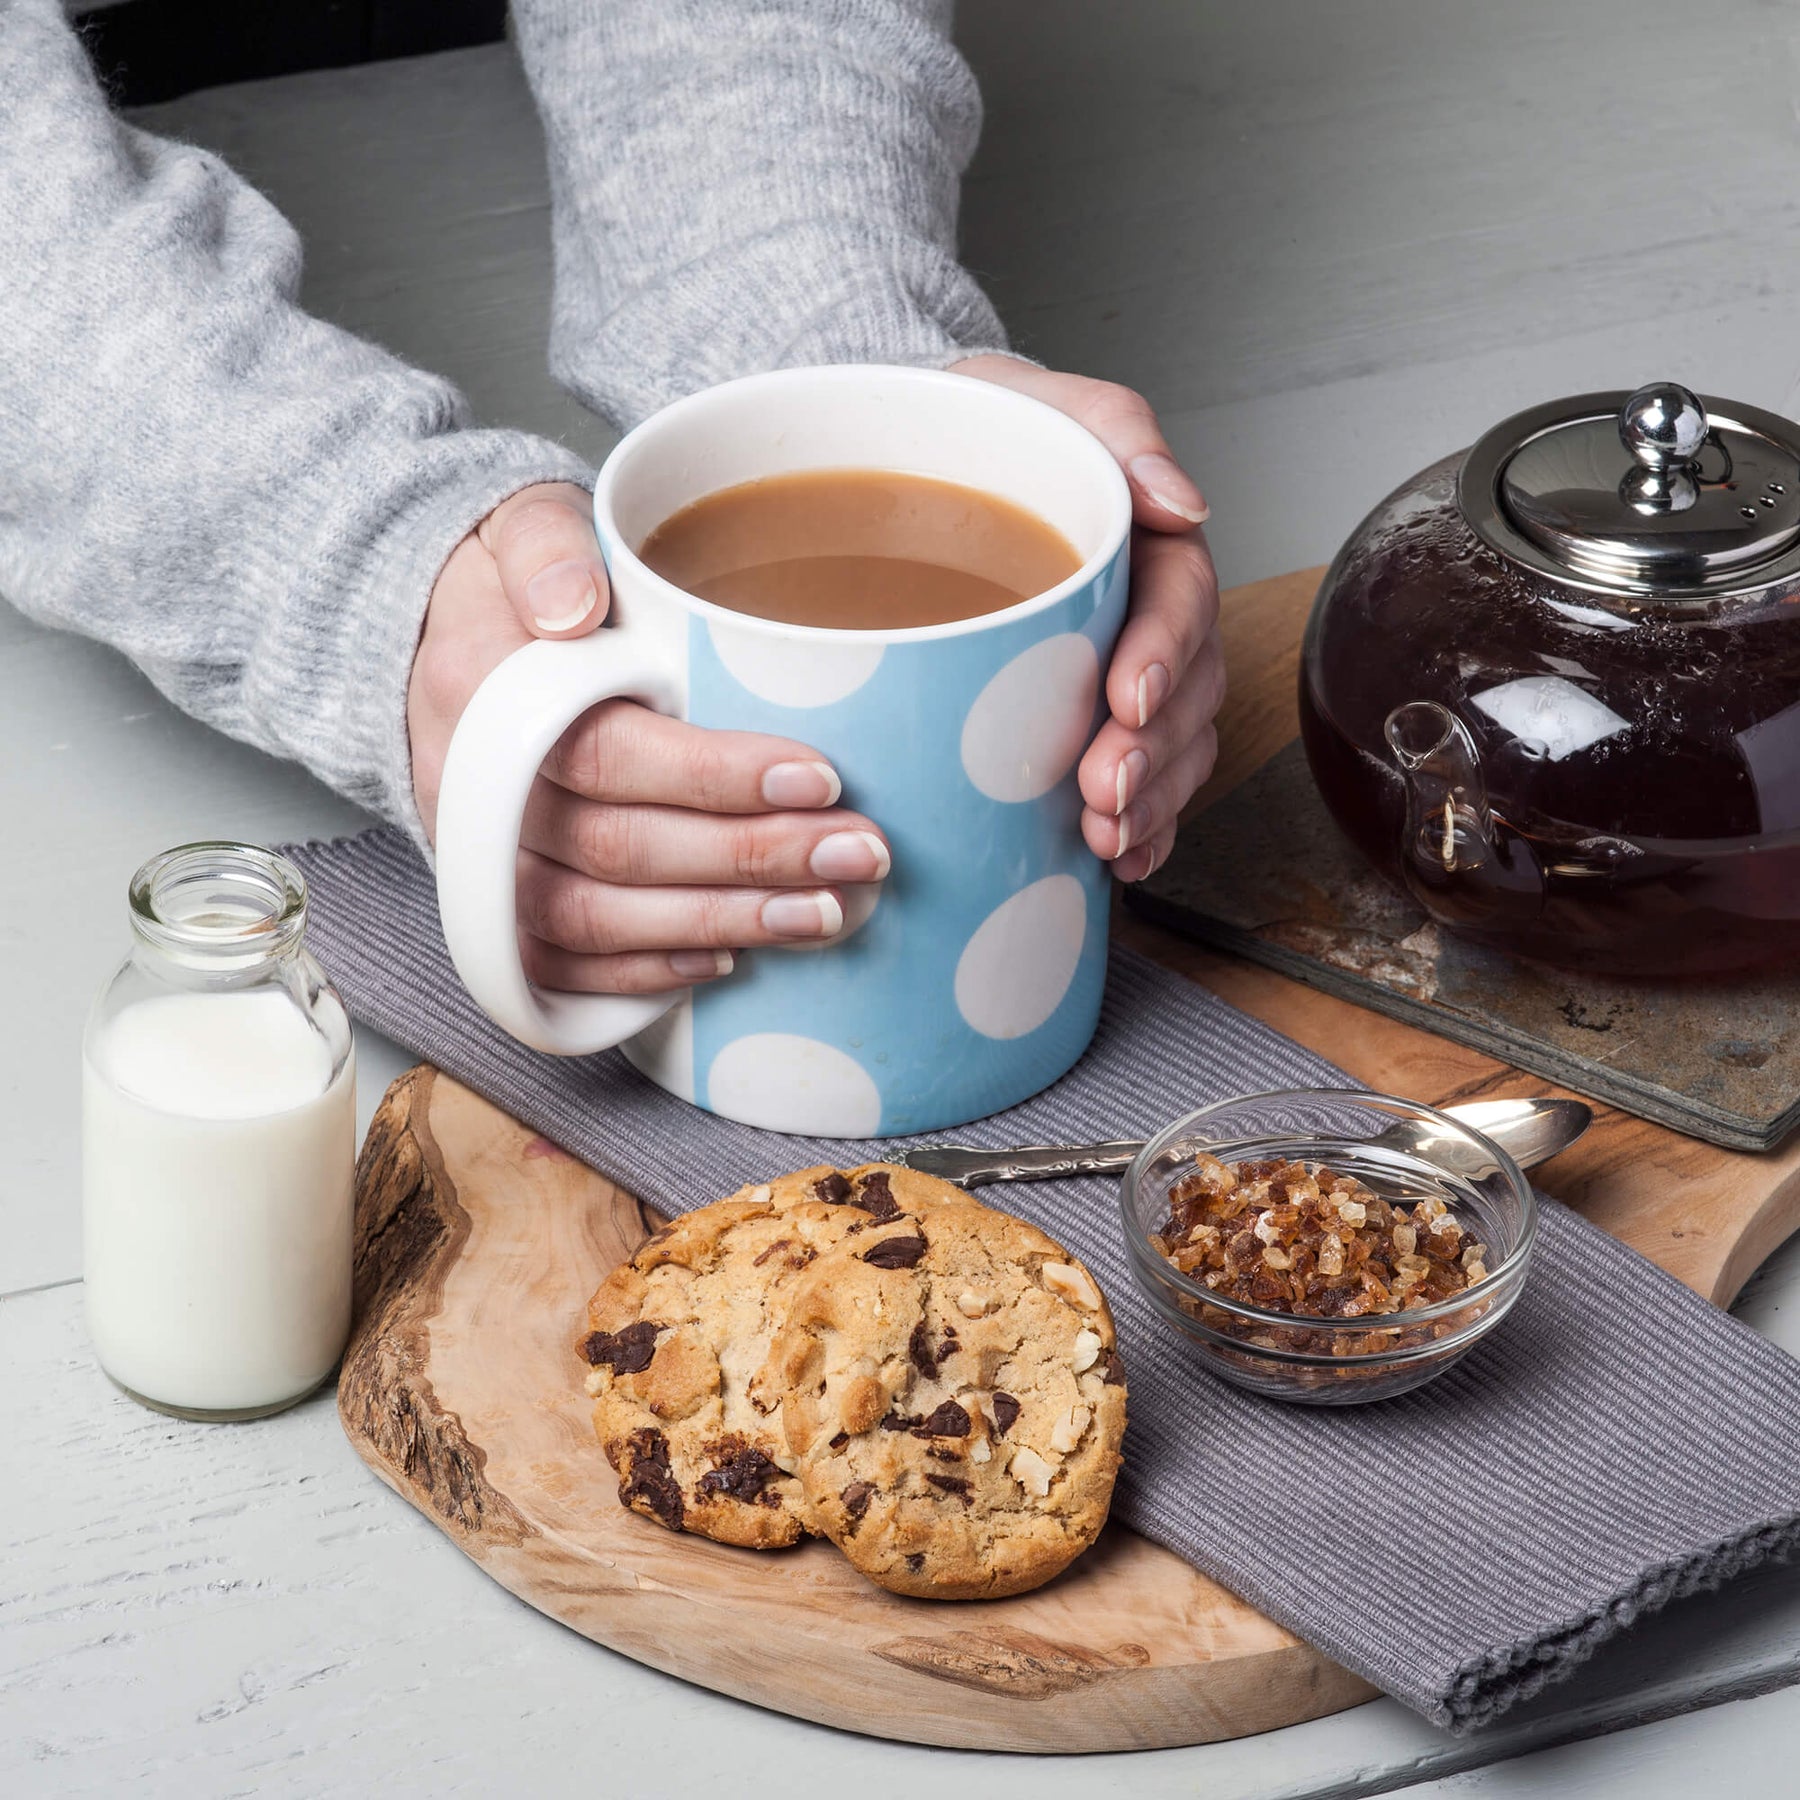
354 626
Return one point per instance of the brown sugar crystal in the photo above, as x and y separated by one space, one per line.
1313 1243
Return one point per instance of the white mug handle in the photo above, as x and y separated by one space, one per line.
503 736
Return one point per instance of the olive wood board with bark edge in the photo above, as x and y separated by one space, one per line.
478 1244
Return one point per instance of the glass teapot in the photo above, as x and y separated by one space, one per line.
1552 685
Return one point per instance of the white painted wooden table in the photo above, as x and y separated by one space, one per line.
1332 239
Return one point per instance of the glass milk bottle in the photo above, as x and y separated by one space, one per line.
218 1144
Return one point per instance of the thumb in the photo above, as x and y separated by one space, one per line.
543 545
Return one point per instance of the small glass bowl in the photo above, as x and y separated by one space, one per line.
1405 1153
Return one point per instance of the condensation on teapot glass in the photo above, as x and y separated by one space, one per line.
1419 534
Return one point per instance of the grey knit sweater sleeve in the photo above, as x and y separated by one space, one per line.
254 506
751 184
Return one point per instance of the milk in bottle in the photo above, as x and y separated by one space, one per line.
218 1142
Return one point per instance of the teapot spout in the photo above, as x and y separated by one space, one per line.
1449 828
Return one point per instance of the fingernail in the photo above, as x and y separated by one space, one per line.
561 596
1133 767
850 856
1153 690
1124 837
802 784
803 915
1166 483
701 965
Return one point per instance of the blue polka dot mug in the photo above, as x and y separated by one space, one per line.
971 977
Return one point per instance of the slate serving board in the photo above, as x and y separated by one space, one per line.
1265 874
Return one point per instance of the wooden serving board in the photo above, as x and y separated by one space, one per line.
479 1243
477 1247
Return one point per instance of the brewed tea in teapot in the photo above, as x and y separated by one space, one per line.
1552 685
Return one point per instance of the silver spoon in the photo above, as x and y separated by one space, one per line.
1530 1131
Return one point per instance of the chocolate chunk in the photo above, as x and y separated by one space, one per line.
628 1351
919 1348
833 1188
1006 1409
916 1561
740 1471
1112 1368
899 1421
942 1454
895 1253
951 1484
779 1244
838 1442
651 1480
949 1344
950 1420
802 1257
856 1498
876 1196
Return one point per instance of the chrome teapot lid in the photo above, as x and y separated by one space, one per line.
1658 494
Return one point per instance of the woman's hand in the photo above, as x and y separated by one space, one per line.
1168 672
651 848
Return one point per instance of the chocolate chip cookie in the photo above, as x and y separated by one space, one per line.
676 1334
953 1402
883 1190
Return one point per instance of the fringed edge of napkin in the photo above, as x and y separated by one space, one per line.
1501 1679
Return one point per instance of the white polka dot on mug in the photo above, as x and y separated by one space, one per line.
972 976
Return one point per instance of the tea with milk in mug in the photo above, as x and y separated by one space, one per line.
859 549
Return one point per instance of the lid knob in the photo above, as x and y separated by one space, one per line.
1656 494
1663 425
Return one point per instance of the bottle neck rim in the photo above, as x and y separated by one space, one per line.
219 906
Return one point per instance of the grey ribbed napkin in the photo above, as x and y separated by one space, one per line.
1615 1444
